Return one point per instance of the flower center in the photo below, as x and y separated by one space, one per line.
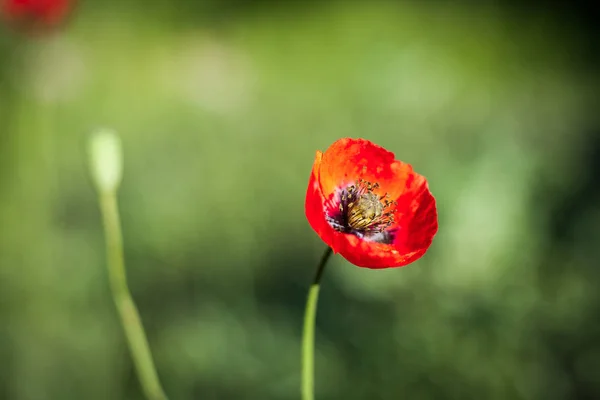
361 211
364 211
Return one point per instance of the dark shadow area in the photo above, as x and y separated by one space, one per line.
574 348
583 198
580 16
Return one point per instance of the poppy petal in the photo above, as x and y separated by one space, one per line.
348 160
314 204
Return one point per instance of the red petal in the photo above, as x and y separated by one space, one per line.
35 13
314 205
348 160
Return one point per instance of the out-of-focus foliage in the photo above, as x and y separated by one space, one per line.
220 115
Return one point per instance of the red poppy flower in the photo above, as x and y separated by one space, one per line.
35 14
369 207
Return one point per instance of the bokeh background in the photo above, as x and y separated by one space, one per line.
221 106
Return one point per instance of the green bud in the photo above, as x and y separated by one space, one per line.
106 160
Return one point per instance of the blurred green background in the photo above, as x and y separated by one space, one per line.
221 107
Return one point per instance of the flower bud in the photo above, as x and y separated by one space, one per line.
106 160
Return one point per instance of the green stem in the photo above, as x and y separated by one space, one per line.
308 334
130 318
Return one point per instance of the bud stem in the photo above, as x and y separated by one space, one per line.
106 167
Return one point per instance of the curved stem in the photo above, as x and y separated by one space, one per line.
308 333
130 318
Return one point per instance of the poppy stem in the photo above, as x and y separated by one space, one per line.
130 317
308 334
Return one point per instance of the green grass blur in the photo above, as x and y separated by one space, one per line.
220 116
